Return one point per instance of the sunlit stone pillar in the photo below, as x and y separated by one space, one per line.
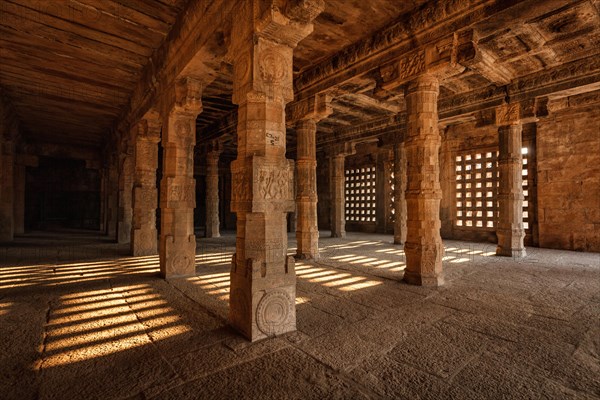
423 246
178 187
307 114
212 193
307 231
144 237
510 229
263 280
7 187
399 194
125 213
338 196
19 202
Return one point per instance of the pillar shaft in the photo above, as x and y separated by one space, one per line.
212 195
423 245
7 190
125 213
338 196
178 187
307 231
399 194
143 230
510 230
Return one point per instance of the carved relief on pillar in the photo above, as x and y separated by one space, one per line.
177 189
262 301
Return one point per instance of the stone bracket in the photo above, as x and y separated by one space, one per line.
443 59
314 108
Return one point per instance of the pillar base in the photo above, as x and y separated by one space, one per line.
419 280
178 257
514 253
144 242
262 303
338 235
306 257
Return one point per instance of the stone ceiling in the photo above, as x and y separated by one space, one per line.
70 66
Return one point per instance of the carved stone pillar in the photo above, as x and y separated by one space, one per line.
125 213
399 194
307 114
7 188
178 186
338 196
307 231
263 280
510 229
19 202
212 193
144 237
423 246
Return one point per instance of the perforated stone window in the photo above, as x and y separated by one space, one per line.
391 199
525 153
360 194
476 189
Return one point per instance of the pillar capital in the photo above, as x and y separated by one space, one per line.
443 58
309 110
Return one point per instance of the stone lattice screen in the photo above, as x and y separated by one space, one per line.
476 189
361 205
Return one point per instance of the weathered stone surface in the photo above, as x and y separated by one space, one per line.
423 245
510 189
212 192
144 237
178 188
262 277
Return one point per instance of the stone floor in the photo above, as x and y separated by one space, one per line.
80 320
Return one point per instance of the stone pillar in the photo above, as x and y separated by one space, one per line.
125 212
178 186
338 196
212 193
144 237
399 194
423 246
263 279
510 230
103 199
307 231
112 197
7 188
19 199
448 152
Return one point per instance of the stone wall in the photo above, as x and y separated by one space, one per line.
568 150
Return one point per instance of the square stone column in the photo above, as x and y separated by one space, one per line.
212 193
338 196
125 211
263 279
307 231
144 237
178 186
510 231
7 188
399 194
423 246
